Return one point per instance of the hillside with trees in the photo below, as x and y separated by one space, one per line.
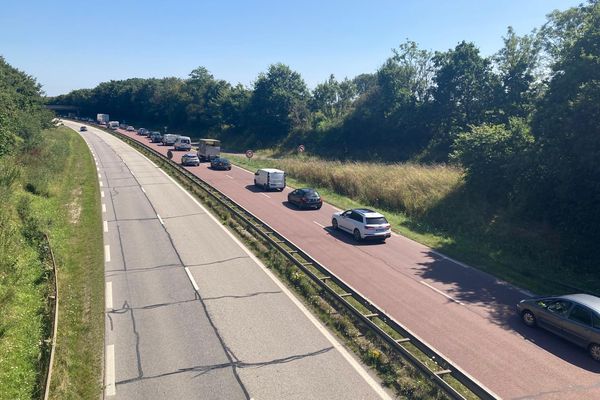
522 123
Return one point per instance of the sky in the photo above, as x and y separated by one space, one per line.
69 45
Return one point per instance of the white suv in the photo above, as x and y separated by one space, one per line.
362 224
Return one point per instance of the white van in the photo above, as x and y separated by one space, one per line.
183 143
269 178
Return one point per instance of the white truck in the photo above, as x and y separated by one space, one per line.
209 149
102 119
114 125
270 178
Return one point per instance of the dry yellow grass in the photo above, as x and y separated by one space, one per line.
410 188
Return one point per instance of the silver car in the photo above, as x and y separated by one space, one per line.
575 317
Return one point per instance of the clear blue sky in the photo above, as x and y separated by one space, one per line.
72 44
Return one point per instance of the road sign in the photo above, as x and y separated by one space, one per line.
301 148
249 153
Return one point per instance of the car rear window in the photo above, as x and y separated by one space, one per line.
376 221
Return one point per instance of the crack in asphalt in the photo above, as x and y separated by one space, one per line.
204 369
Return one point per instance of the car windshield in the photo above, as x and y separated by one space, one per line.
376 221
311 193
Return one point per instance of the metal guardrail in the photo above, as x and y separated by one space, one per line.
306 263
52 340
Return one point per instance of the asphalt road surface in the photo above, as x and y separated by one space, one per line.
467 315
190 313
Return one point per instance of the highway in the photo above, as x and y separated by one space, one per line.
190 312
467 315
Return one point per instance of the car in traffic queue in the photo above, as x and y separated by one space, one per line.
155 137
220 163
362 223
130 129
142 131
83 129
574 317
183 143
190 159
270 179
169 139
305 198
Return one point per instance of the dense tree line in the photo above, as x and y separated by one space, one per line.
523 122
22 115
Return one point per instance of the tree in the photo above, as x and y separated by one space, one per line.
568 135
493 156
518 63
464 94
279 103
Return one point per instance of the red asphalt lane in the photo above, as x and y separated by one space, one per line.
467 315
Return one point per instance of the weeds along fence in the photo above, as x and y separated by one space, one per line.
47 356
440 371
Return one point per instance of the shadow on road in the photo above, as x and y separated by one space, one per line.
347 238
499 301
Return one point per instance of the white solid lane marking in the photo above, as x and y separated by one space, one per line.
103 207
110 389
105 226
229 176
101 184
143 190
322 226
106 253
160 219
102 193
357 367
442 293
266 195
189 274
108 296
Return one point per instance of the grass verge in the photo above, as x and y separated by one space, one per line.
51 189
77 243
431 206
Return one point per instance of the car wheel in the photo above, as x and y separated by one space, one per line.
356 234
528 318
318 207
594 350
335 224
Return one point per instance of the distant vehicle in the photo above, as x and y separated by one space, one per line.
209 149
190 159
169 139
220 163
114 125
123 126
156 137
270 178
130 129
83 129
148 132
142 131
362 223
305 198
183 143
575 317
